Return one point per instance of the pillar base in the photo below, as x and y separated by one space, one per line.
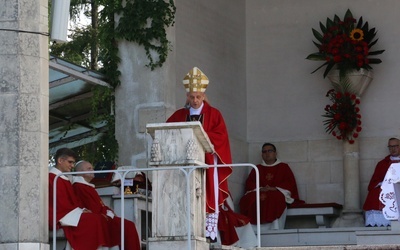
350 218
25 245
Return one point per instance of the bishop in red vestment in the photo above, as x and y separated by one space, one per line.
214 125
277 188
91 200
197 109
83 230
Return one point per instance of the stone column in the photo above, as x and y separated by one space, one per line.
352 213
144 96
24 102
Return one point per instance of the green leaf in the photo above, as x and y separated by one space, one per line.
377 52
319 67
348 14
328 68
360 23
329 23
317 35
316 57
374 61
322 27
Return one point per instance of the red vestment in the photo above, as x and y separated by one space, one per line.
91 200
91 231
372 201
214 125
273 202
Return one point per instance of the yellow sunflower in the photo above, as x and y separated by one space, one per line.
357 35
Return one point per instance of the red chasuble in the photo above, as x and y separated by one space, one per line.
91 200
91 231
272 203
372 201
214 125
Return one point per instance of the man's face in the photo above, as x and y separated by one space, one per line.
195 99
268 154
393 146
65 164
87 167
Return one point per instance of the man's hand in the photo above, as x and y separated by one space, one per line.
268 188
85 210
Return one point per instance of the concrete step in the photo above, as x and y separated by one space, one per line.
348 247
330 237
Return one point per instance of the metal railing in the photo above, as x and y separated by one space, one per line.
187 170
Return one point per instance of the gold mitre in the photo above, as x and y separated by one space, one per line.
195 81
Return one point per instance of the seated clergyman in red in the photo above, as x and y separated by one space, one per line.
277 189
91 199
83 229
373 206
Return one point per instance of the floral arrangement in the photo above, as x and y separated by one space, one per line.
343 116
345 44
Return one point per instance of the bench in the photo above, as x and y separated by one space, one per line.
323 212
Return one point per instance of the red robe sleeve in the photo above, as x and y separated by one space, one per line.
90 198
372 201
66 199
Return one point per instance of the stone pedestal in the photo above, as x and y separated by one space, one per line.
358 81
175 146
352 213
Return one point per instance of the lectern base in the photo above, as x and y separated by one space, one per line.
168 243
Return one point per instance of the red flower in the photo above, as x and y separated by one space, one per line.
342 126
337 59
345 45
343 118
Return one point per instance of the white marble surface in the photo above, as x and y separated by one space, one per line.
178 144
169 196
24 246
195 126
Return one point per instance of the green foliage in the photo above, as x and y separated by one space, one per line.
144 22
141 21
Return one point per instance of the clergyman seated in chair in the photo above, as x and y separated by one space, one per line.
372 206
278 188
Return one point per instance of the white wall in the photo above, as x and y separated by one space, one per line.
264 88
285 102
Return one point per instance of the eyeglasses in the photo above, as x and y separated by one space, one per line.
392 146
69 161
268 151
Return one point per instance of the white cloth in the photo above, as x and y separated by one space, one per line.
212 218
194 111
388 196
375 218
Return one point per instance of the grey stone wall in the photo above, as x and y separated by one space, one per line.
24 124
